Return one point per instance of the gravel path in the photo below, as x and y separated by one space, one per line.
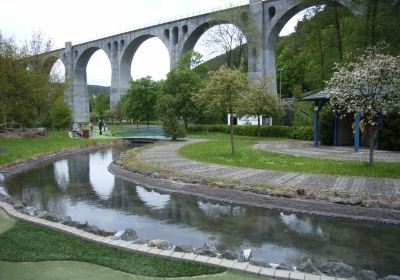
166 156
307 149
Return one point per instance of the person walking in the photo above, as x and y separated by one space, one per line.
100 126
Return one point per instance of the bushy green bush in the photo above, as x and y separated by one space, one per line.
300 132
60 114
172 127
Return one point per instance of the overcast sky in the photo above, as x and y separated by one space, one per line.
83 20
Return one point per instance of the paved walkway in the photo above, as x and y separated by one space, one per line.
306 148
166 156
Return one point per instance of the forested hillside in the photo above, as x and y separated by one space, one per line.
330 34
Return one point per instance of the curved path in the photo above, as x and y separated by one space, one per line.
166 156
307 149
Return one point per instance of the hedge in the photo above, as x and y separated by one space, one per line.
293 132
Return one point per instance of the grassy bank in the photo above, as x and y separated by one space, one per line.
22 148
26 242
69 270
218 151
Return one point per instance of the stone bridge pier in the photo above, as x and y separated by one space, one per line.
179 37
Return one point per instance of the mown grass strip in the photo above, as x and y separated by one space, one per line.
23 148
69 270
30 243
219 152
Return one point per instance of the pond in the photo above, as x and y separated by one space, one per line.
80 186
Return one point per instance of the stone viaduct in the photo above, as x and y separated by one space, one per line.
179 36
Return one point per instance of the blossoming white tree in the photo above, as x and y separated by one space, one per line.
367 86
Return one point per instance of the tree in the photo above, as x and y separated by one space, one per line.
139 101
10 69
117 113
172 126
101 104
234 30
45 89
368 86
27 92
261 101
60 114
181 85
226 90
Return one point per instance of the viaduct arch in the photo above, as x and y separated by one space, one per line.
179 36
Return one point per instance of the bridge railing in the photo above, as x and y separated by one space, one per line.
235 4
139 131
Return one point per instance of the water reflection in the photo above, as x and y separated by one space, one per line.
82 187
61 174
303 226
102 182
152 198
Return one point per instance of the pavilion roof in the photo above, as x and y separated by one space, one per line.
322 95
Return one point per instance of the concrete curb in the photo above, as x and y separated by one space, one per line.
235 266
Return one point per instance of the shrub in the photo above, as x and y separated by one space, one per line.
173 128
302 133
60 114
295 132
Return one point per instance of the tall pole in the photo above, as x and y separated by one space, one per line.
280 84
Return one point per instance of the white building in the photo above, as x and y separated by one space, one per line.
250 120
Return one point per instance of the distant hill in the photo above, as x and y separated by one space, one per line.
95 90
216 62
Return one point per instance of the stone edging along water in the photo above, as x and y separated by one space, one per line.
99 237
233 265
236 195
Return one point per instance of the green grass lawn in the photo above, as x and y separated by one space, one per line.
22 148
31 252
219 151
70 270
6 223
26 242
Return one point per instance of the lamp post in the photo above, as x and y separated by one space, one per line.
280 83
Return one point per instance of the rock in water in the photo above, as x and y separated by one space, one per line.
260 262
340 269
164 245
155 242
308 267
18 205
244 256
184 248
229 255
141 241
67 221
92 229
207 250
366 275
118 234
285 266
392 277
129 235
